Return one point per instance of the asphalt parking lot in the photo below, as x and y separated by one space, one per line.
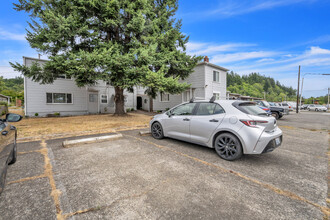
138 177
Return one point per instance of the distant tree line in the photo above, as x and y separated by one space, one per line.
255 85
13 87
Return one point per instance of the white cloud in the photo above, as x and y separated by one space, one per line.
318 51
208 49
232 57
229 8
8 72
7 35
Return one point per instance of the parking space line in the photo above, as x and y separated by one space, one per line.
27 179
291 195
55 193
29 152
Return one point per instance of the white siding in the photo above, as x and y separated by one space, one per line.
162 106
35 96
215 87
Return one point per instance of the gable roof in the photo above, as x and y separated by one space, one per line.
213 65
4 96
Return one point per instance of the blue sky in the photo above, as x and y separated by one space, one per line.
271 37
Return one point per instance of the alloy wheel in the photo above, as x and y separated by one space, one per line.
228 147
157 131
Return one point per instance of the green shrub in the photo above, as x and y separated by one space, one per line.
159 111
36 114
132 109
3 112
167 109
57 114
4 103
128 110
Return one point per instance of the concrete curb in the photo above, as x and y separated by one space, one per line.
144 133
70 143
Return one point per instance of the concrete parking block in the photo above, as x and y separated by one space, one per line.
71 143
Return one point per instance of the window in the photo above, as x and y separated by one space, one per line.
63 76
209 109
186 96
92 97
216 76
60 98
164 97
185 109
217 95
104 99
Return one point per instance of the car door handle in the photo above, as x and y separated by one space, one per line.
4 133
214 120
186 119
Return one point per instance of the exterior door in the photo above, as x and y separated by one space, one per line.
207 118
177 125
93 102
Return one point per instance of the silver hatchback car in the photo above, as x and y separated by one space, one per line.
232 127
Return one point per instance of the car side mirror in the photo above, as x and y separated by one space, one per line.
13 117
169 113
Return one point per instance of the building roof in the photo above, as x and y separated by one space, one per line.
5 96
32 58
213 65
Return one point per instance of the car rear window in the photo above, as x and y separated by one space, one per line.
251 109
284 104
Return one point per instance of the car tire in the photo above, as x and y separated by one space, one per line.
280 116
14 155
276 115
157 131
228 147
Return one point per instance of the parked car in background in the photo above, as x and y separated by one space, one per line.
232 127
304 107
286 106
317 108
8 147
277 112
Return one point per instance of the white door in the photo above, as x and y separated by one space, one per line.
93 102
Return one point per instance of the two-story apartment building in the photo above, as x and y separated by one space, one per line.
66 98
207 80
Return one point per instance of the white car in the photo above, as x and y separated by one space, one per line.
232 127
317 108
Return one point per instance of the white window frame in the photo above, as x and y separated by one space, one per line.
66 95
104 99
65 77
216 93
215 71
161 97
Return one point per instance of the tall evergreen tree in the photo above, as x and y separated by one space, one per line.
127 43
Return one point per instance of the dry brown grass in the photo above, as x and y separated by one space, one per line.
92 124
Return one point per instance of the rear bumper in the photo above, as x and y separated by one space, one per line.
272 145
266 142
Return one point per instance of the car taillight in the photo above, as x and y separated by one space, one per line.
252 123
266 109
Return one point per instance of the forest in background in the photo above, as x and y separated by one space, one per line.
13 87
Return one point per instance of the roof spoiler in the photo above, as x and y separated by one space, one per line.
212 99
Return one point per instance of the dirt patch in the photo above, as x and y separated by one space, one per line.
104 123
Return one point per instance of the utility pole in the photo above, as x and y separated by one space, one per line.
264 95
328 97
297 107
302 84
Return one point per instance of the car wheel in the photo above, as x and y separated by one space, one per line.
228 147
316 110
157 131
14 155
275 115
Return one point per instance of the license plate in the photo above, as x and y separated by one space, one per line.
278 141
